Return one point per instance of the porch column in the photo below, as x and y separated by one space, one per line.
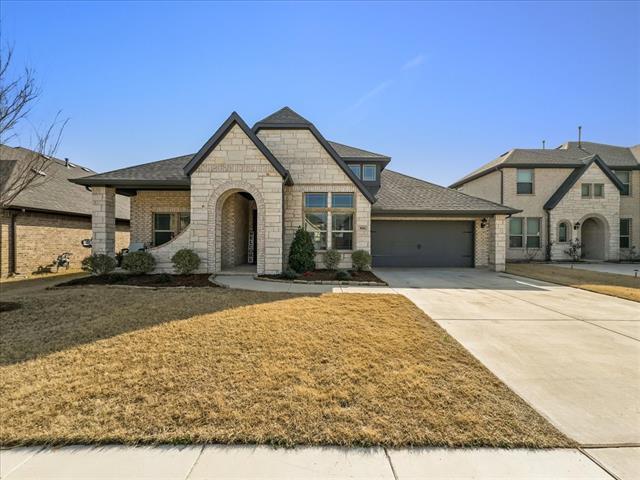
498 243
103 220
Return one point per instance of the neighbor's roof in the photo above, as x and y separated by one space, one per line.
567 155
52 192
401 193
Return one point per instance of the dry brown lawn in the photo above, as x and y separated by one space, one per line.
623 286
103 365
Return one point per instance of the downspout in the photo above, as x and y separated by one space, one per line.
547 253
501 186
12 243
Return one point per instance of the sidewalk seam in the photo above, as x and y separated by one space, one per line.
599 464
23 462
194 463
393 470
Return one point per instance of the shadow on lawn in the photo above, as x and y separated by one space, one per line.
55 320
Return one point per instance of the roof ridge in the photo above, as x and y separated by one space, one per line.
143 164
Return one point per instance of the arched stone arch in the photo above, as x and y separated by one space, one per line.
603 238
214 217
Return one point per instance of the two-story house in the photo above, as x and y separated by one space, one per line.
238 201
580 192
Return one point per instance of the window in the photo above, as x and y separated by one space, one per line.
521 228
625 233
586 190
342 231
369 173
515 232
524 182
168 225
563 232
625 177
330 227
533 233
342 200
357 169
598 190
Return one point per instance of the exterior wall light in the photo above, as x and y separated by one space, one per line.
483 223
576 226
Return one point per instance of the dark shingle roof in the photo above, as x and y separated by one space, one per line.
284 116
53 191
347 152
568 155
401 193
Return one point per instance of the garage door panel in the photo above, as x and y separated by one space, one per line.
422 243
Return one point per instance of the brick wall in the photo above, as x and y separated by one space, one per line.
148 202
41 237
235 230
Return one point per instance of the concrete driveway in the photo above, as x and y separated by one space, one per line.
573 355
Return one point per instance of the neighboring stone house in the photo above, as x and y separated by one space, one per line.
49 217
238 201
579 192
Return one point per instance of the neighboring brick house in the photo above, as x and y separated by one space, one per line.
49 217
238 201
580 191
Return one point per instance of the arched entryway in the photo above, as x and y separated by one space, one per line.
238 232
593 239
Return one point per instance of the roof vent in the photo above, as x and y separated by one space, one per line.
39 172
579 137
544 142
66 162
85 169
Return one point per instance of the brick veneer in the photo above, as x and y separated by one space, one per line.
148 202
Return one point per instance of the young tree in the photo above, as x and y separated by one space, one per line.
18 94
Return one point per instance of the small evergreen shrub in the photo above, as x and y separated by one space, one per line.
302 252
185 261
99 264
289 274
361 260
343 275
332 259
139 262
164 278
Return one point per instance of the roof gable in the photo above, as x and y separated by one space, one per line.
286 119
571 180
234 119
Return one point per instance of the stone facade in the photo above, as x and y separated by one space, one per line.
314 171
630 208
41 237
103 220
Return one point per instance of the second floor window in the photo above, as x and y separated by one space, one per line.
625 177
524 181
586 190
356 169
369 173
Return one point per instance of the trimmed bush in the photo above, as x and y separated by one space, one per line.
185 261
332 259
361 260
139 262
302 252
99 264
289 274
343 275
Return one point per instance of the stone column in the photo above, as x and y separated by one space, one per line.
498 243
103 220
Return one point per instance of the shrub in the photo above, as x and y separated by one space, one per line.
164 278
289 274
139 262
332 259
185 261
361 260
99 264
343 275
302 252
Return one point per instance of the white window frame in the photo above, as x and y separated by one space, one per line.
329 210
532 182
375 172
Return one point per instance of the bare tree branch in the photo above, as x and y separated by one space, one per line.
17 97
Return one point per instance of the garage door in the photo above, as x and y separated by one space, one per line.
421 243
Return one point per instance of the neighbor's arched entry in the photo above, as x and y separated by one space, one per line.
593 239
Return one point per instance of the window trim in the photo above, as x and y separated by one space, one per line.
329 210
352 231
525 232
359 167
532 182
590 190
175 227
628 235
537 235
594 190
567 227
375 172
521 235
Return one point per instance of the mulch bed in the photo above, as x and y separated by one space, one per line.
154 280
330 275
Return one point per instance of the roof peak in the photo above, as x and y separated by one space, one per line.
284 116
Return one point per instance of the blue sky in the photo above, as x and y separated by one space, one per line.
440 87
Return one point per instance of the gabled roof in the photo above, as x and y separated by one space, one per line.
52 192
567 155
571 180
402 194
287 119
347 152
234 119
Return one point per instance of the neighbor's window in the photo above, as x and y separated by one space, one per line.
168 225
586 190
563 232
357 169
625 177
369 173
315 218
625 233
524 181
598 190
533 232
515 233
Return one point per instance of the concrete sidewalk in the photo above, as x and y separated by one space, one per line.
252 462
